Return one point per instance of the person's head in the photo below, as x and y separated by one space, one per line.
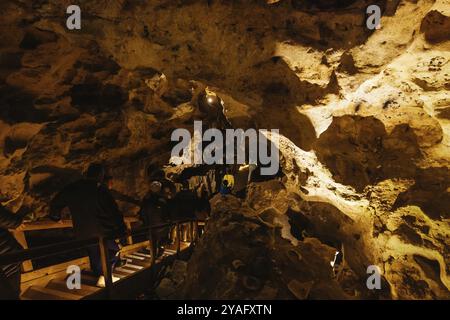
97 172
209 102
108 181
185 184
155 187
225 183
167 193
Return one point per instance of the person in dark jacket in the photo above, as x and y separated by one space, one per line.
166 184
188 205
9 274
153 213
94 214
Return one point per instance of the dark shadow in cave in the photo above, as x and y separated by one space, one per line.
10 61
323 5
332 227
96 97
16 105
282 94
359 152
429 192
282 89
57 178
34 37
299 223
431 268
333 35
303 224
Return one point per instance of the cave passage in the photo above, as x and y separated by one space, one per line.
220 150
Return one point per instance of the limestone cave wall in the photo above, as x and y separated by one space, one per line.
364 119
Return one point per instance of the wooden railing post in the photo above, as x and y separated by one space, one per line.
191 227
129 238
196 231
153 249
27 265
106 265
178 232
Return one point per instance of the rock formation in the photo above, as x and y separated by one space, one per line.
364 119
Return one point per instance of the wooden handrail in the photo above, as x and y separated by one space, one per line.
106 265
50 224
45 251
66 246
47 224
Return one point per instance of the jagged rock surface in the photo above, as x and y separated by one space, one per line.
363 117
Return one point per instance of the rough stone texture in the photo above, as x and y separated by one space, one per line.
363 117
170 285
253 260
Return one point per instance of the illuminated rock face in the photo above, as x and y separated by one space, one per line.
253 261
363 117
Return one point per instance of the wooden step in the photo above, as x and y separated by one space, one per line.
147 258
120 274
133 256
61 285
142 263
49 283
169 252
88 278
41 293
133 266
125 270
140 254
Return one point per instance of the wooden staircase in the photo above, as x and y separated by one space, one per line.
136 276
54 287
